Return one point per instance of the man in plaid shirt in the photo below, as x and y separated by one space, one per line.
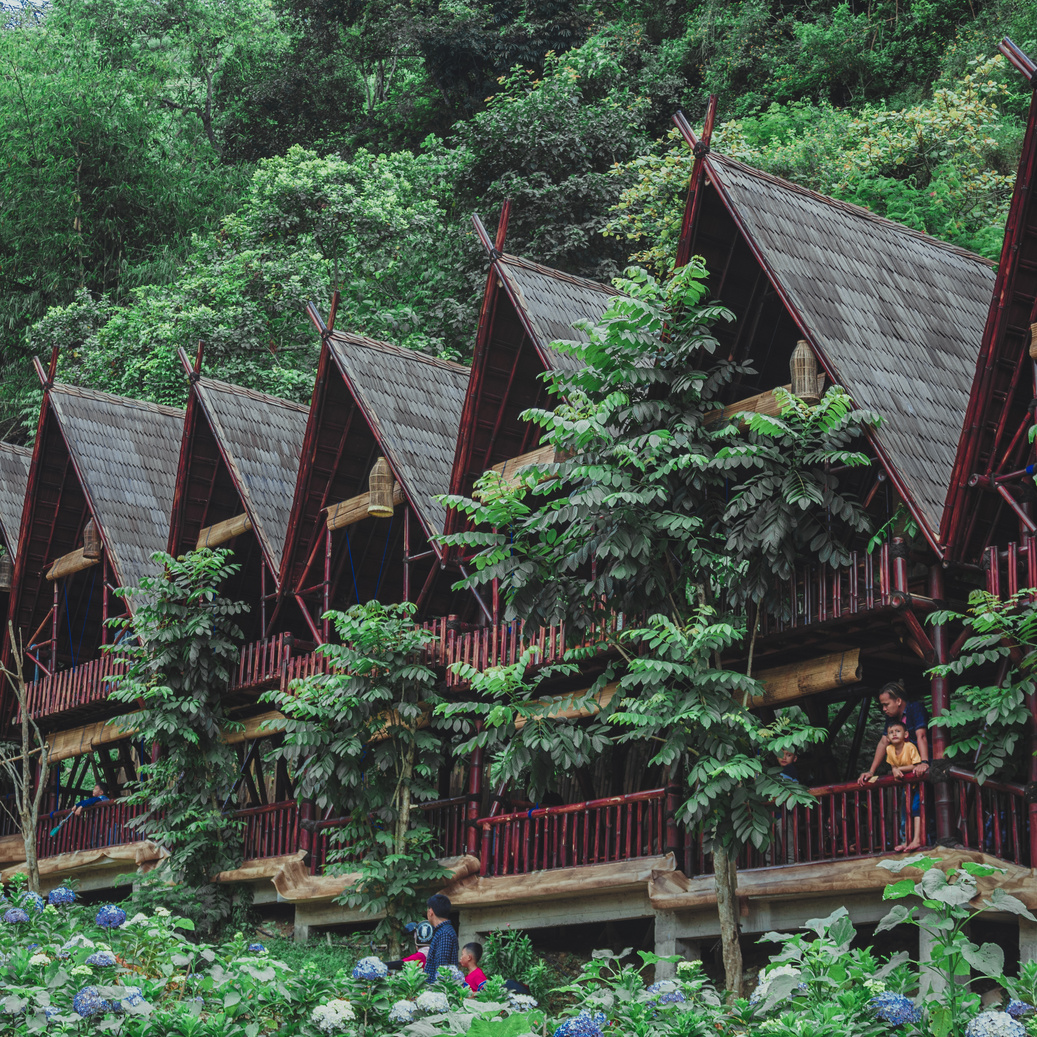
443 948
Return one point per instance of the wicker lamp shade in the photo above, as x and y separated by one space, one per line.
803 367
91 540
1033 342
6 572
380 485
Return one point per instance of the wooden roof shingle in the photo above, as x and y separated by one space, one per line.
413 402
14 477
895 315
550 301
261 438
126 453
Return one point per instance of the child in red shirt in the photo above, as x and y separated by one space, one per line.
422 938
471 955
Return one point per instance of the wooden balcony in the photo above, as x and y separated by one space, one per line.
271 830
106 824
82 688
599 831
820 594
446 818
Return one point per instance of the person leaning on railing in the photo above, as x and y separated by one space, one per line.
95 797
913 716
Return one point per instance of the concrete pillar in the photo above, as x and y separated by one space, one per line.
666 943
1027 941
301 930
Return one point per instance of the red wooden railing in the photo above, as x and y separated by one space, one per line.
262 662
446 818
271 830
105 824
819 593
617 828
993 817
84 685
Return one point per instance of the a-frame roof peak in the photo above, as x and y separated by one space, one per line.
260 437
14 477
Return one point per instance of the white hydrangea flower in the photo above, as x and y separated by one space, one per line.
333 1016
432 1001
402 1012
995 1024
138 919
522 1002
39 958
82 970
162 912
684 967
874 986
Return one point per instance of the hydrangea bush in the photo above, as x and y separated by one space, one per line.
77 970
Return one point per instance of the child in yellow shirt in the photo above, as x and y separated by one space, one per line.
903 757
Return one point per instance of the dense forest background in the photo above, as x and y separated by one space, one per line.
176 170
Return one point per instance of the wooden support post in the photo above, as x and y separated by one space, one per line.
474 804
406 553
1027 941
262 595
899 553
325 624
54 631
307 813
673 799
941 700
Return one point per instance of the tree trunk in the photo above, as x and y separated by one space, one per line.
726 877
402 827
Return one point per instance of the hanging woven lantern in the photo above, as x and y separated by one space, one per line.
803 367
91 540
6 572
379 502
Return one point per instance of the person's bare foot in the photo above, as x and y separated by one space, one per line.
913 846
901 847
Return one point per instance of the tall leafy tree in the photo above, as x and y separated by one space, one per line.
180 648
359 741
659 512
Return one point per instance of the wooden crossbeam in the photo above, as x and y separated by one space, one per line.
349 512
70 563
221 532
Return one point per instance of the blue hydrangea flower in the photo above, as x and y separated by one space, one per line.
674 997
663 986
111 916
1017 1009
132 997
995 1024
61 896
895 1009
15 916
102 959
32 901
432 1001
89 1002
256 948
586 1024
370 968
49 1011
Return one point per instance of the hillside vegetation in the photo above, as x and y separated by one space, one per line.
199 169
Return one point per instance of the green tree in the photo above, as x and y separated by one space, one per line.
180 648
648 517
361 747
990 712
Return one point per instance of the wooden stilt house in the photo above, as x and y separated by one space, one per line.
377 452
525 308
14 476
239 462
98 500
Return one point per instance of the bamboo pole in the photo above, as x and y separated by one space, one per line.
349 512
73 562
785 684
221 532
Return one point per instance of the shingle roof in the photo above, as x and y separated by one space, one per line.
551 301
262 440
126 453
898 315
413 402
14 477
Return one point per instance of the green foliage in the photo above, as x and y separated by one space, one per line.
360 745
947 896
180 648
377 227
990 715
510 954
